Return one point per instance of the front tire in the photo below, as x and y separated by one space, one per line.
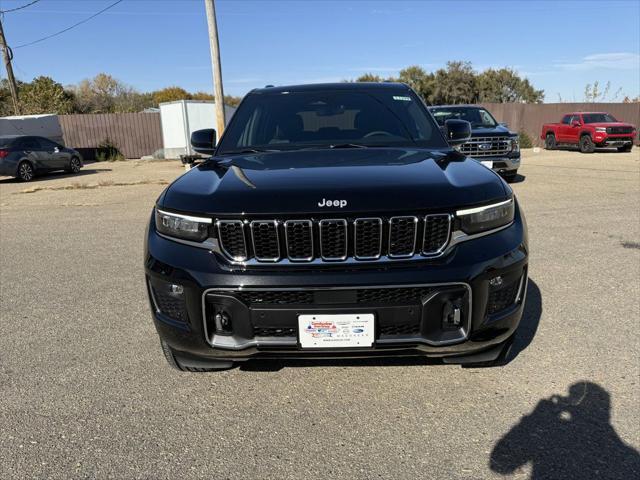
626 148
587 145
203 366
74 165
26 172
550 142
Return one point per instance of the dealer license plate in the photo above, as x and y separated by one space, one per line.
336 331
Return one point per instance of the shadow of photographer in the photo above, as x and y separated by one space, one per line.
568 438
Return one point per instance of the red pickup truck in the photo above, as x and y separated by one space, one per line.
589 130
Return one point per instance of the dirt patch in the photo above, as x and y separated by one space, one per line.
90 186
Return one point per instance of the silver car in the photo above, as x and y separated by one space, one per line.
23 157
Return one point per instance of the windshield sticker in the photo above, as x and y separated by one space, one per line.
403 99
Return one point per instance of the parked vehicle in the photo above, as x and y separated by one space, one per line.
589 130
335 221
24 157
490 141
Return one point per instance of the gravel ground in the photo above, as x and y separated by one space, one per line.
86 393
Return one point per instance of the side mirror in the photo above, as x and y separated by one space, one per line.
505 125
457 132
575 123
204 141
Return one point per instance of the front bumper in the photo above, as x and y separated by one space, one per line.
502 164
403 326
615 141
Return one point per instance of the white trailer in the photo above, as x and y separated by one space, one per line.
47 126
180 118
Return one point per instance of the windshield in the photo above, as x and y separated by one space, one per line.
478 117
330 119
598 118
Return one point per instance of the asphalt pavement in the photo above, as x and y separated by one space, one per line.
86 393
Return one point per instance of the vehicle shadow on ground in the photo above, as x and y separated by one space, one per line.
567 437
56 176
526 333
518 178
529 322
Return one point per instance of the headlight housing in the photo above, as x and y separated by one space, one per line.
182 226
515 144
487 217
601 129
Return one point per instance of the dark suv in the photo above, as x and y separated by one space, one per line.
491 142
335 221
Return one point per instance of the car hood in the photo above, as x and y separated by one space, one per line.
369 180
497 131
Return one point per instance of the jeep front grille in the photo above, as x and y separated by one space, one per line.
486 146
333 239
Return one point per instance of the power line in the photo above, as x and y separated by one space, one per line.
19 8
68 28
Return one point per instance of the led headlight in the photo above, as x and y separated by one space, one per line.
601 129
488 217
515 144
182 226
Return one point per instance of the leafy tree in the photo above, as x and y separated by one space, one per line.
106 94
454 84
44 95
369 77
228 99
418 79
504 85
231 100
170 94
6 104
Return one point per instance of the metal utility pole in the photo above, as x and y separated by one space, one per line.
8 56
215 65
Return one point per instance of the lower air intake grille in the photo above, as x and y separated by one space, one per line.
401 329
275 331
380 296
502 298
169 305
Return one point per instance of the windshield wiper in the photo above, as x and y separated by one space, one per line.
249 150
348 145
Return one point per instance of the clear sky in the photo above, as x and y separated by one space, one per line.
149 44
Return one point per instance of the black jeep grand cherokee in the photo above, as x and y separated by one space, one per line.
335 221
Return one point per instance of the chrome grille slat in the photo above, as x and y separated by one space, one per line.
367 238
403 232
266 244
298 236
435 234
333 239
232 239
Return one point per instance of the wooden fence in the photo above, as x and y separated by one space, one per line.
139 134
134 134
524 117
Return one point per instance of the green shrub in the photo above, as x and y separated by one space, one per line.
108 151
525 140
